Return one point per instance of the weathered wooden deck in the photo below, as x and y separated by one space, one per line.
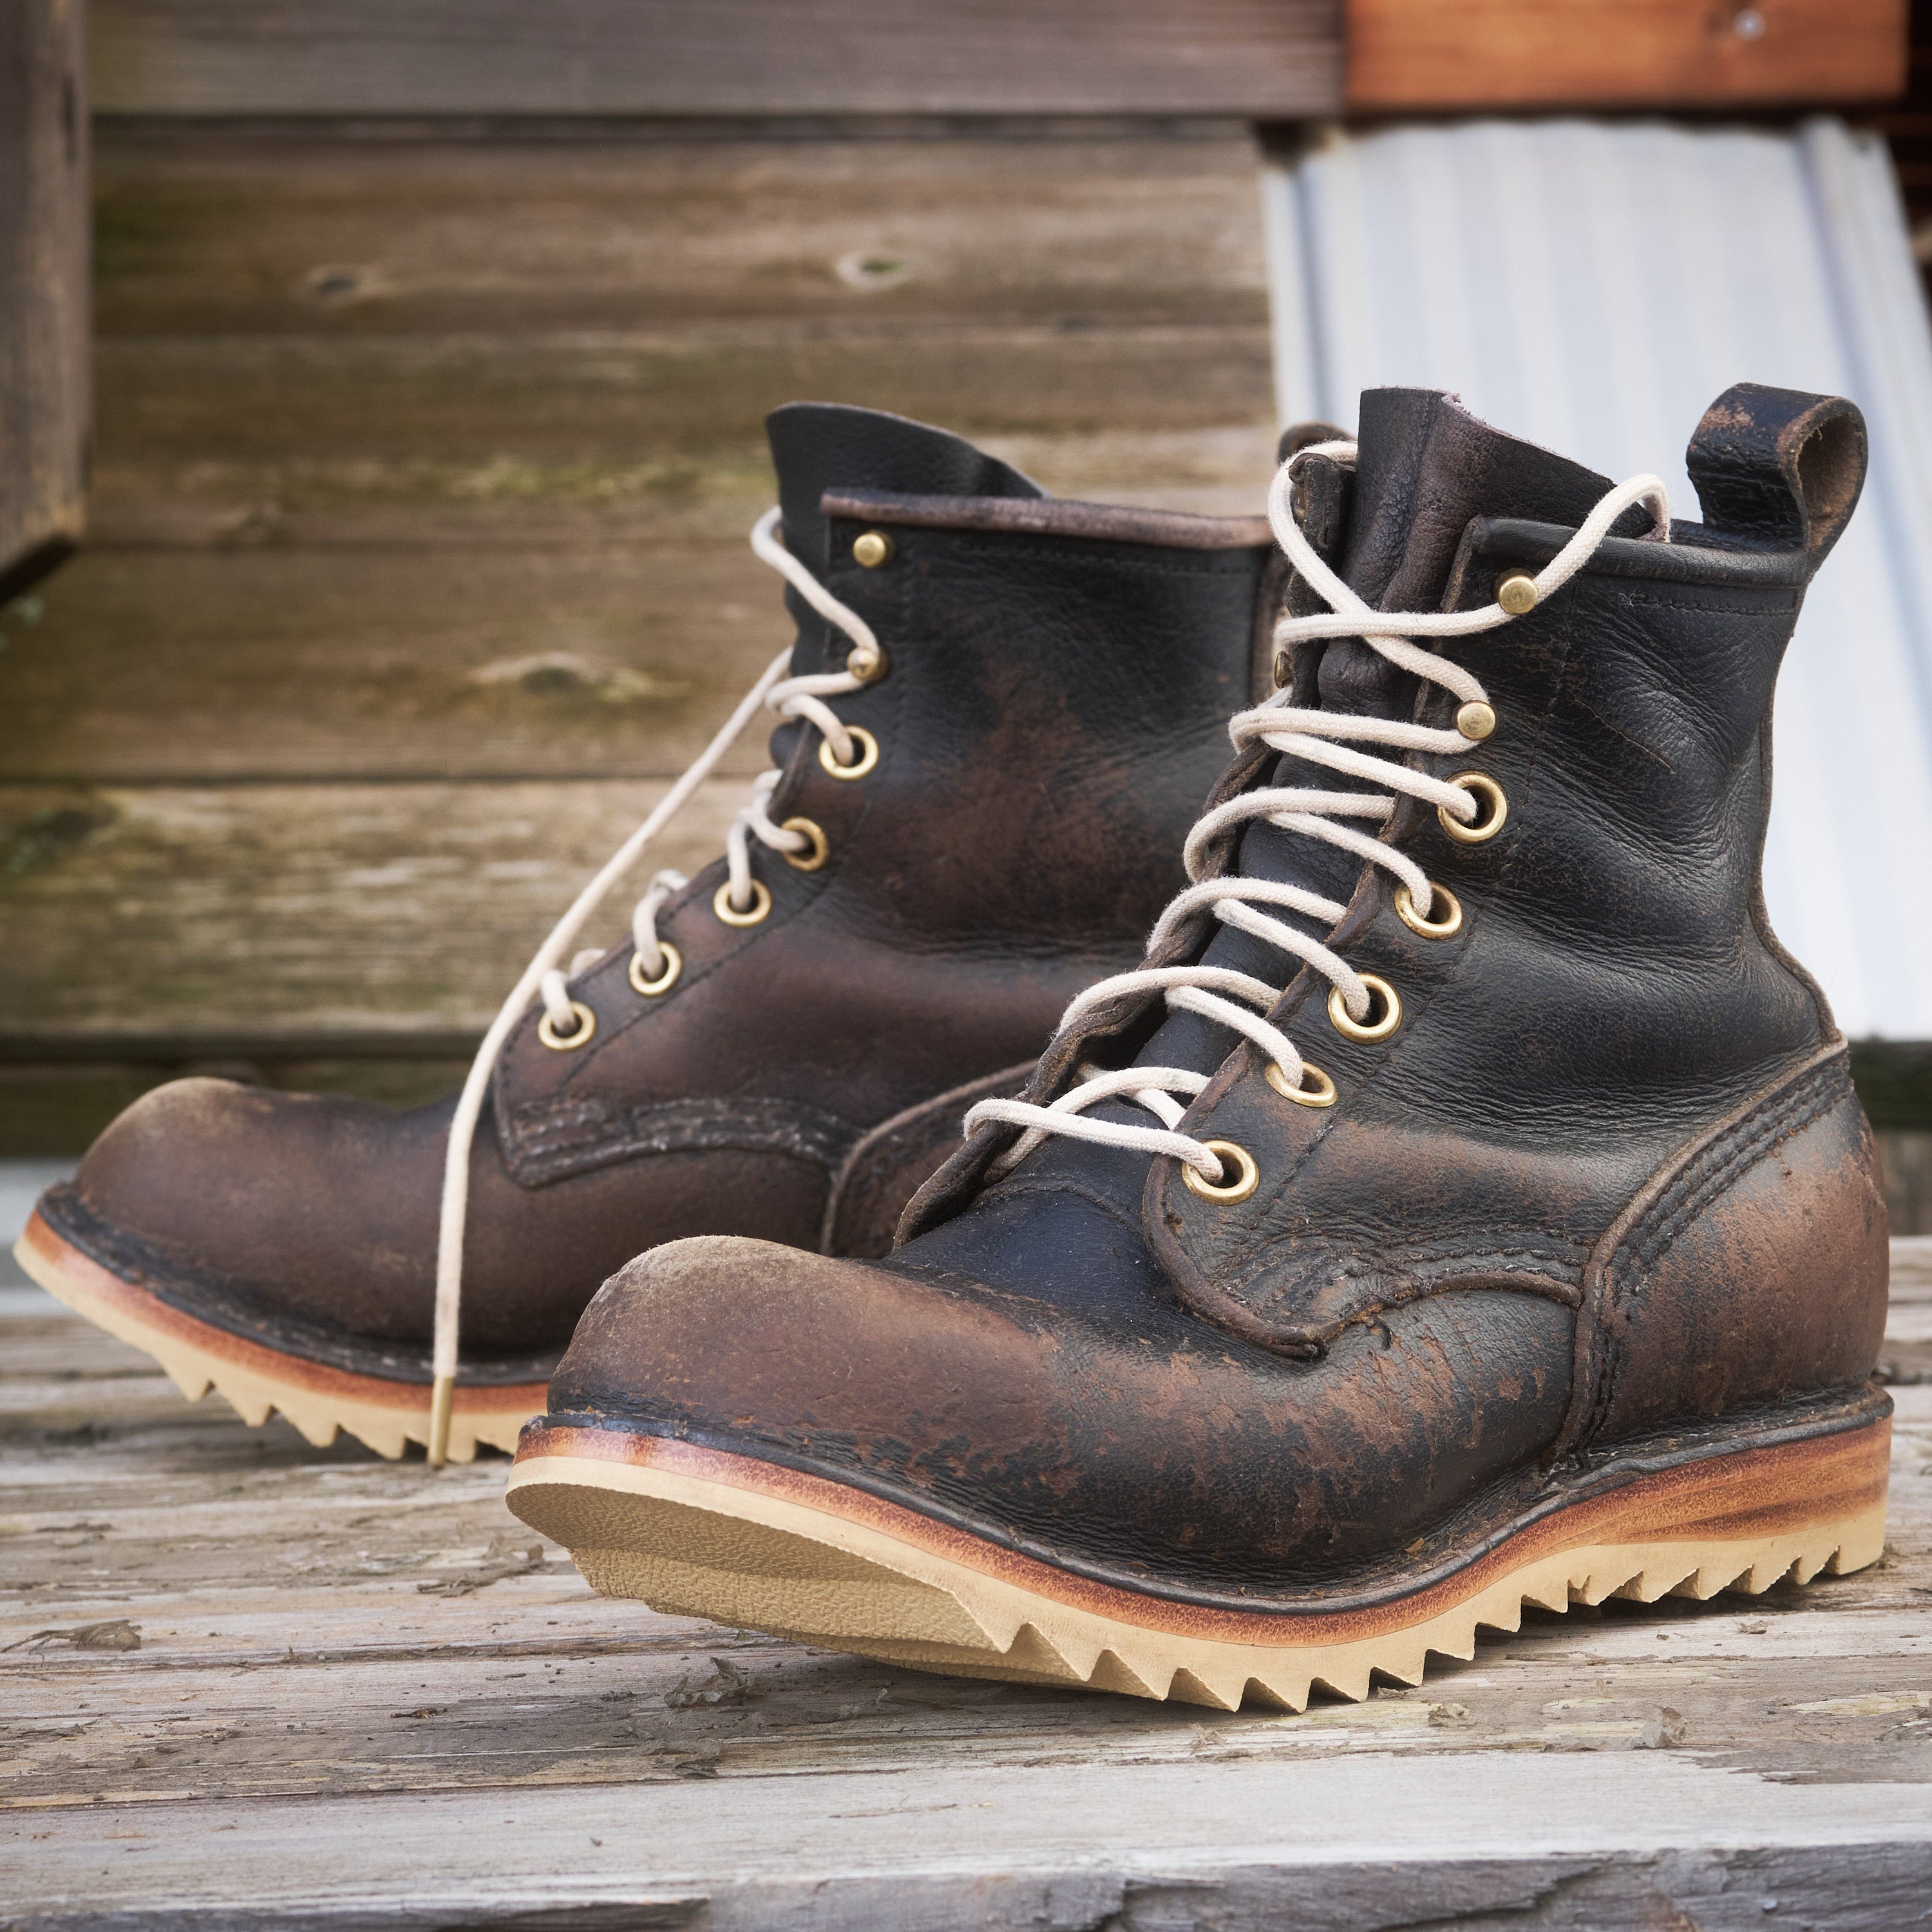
246 1682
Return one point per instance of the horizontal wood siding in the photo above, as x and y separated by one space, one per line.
681 57
418 564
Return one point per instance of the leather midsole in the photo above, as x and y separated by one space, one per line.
1716 1496
99 1294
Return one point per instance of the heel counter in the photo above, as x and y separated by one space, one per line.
1752 1271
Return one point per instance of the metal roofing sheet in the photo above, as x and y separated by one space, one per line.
1592 286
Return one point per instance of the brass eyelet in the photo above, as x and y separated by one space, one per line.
1247 1175
868 754
673 966
761 904
1447 927
1482 787
587 1025
821 846
1316 1089
1370 1029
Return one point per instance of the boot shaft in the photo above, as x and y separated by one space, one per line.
1050 710
1610 1022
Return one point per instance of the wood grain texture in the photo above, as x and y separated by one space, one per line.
253 913
1465 55
43 287
365 1695
425 468
678 57
296 230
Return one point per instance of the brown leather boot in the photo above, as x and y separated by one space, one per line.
1556 1269
1002 712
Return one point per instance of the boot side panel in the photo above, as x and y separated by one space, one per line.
1054 709
883 1172
1750 1272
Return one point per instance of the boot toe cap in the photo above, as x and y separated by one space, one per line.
1199 1460
225 1197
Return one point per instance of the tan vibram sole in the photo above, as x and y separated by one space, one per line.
697 1531
256 1379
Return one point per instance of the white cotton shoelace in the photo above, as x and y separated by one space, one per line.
1239 1001
543 978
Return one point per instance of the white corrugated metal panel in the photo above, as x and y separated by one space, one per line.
1592 286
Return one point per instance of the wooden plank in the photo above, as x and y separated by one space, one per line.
629 400
572 660
291 229
1465 55
671 57
362 1692
259 912
43 287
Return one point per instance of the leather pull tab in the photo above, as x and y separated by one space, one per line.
1779 466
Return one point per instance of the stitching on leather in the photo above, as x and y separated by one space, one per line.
1013 1190
1232 564
1408 1261
1775 600
554 1139
1709 1174
1719 1163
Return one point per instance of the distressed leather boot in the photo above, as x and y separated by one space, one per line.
1000 715
1466 1204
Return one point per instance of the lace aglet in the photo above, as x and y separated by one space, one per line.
441 1398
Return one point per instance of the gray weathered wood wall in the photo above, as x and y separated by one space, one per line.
671 57
429 432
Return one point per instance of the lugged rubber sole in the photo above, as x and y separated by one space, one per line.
256 1379
699 1531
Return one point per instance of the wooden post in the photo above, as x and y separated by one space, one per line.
44 308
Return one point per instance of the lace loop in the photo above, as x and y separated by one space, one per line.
1326 739
803 698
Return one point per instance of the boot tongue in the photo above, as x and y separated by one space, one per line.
820 446
1424 467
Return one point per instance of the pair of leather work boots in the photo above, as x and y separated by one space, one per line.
1463 1201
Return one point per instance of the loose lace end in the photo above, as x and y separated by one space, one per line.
801 697
442 1397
